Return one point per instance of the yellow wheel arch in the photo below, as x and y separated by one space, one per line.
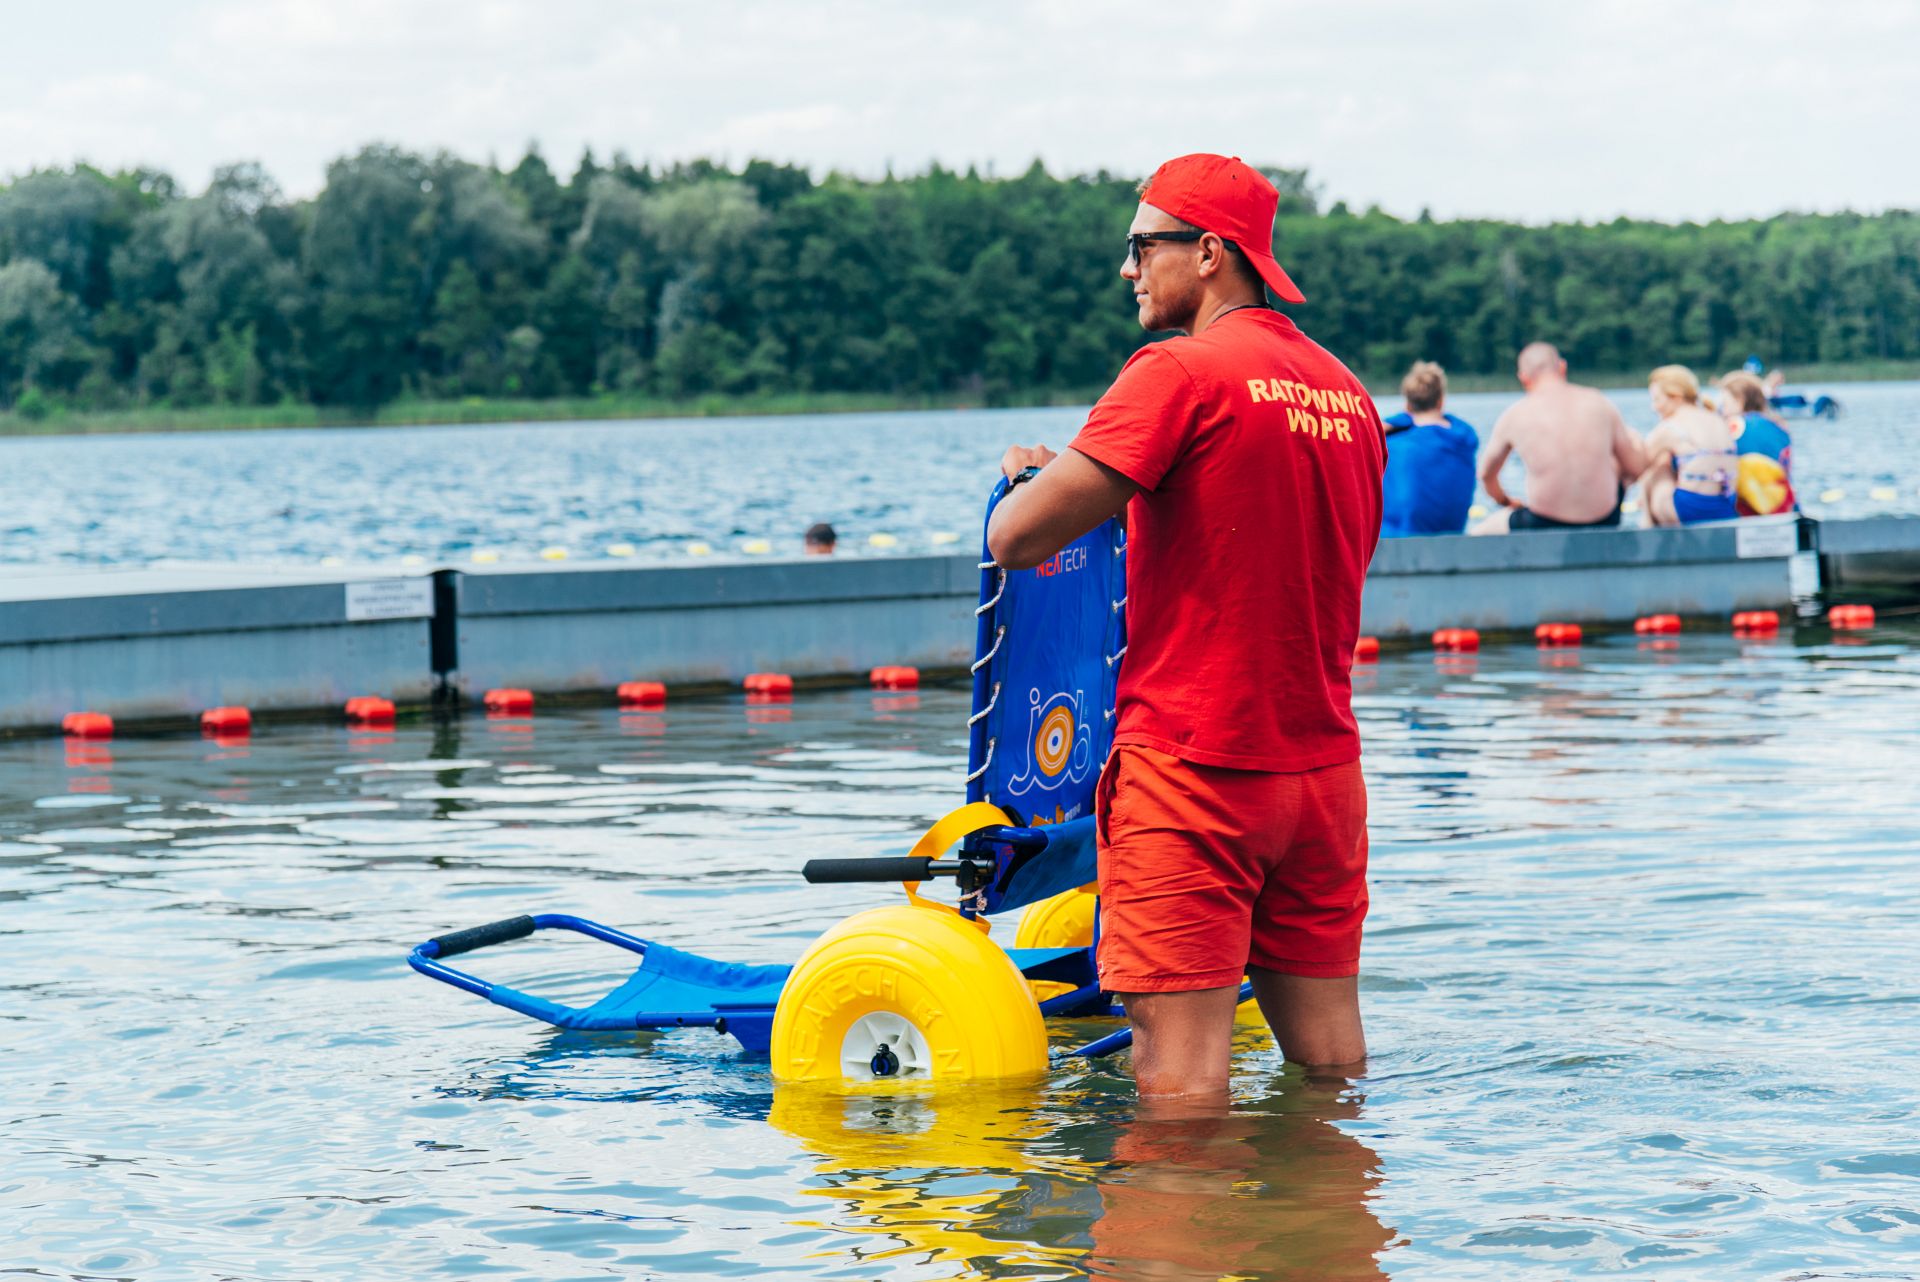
909 991
1064 920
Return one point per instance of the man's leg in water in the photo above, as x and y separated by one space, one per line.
1316 1021
1182 1043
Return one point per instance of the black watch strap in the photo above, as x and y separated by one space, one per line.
1024 474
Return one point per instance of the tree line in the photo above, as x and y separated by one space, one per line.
435 277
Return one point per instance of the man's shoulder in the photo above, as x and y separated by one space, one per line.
1592 398
1273 348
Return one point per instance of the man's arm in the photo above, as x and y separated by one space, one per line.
1072 494
1656 449
1495 456
1629 451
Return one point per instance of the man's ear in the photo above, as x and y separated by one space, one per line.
1213 251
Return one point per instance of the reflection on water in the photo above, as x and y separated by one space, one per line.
1038 1182
1274 1189
1641 980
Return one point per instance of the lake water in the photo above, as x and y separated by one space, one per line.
512 491
1642 980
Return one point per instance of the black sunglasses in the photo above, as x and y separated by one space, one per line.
1136 239
1139 238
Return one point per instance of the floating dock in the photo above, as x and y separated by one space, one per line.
159 646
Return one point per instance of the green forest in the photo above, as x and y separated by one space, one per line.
429 277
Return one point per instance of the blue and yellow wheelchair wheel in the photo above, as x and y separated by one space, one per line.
913 992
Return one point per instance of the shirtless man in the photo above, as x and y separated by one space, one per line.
1579 453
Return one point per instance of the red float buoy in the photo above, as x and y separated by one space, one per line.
1456 640
642 694
1849 617
370 709
1756 622
895 677
226 720
1551 634
1657 624
1366 650
774 683
87 725
508 700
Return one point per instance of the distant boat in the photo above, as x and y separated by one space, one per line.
1791 403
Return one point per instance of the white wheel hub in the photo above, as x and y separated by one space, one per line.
884 1044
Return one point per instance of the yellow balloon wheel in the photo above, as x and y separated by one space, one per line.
1063 921
908 992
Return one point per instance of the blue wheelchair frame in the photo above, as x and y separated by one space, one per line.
1068 620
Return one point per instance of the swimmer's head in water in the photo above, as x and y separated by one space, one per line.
1540 361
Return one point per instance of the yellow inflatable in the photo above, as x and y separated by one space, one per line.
911 991
1761 484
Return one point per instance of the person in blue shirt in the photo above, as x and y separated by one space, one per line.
1429 481
1765 477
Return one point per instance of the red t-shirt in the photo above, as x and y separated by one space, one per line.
1258 457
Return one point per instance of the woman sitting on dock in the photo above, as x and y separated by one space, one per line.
1765 482
1692 464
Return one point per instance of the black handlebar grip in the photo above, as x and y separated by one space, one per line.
494 932
898 868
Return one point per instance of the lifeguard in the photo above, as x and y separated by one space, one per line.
1232 812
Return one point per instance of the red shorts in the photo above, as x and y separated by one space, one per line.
1205 870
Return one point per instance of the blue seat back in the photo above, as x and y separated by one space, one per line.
1046 664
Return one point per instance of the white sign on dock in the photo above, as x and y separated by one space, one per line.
390 599
1753 537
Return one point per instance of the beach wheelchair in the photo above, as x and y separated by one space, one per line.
918 990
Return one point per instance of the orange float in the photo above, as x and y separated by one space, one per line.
370 709
87 725
226 720
642 694
513 702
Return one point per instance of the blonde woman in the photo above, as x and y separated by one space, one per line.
1692 464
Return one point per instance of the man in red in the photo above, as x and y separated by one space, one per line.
1232 813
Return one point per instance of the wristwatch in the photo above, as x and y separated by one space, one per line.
1024 474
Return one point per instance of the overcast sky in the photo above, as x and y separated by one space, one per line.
1557 109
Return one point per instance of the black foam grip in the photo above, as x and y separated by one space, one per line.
494 932
899 868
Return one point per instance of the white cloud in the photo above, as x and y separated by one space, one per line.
1688 108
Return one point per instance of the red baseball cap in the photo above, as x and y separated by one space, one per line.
1228 197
